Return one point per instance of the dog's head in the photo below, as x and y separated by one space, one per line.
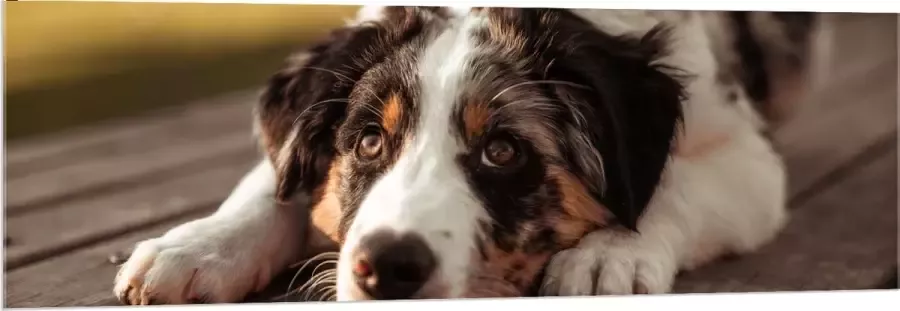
462 148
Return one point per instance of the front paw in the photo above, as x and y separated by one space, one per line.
194 266
610 263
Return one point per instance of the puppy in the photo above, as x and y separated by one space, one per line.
502 152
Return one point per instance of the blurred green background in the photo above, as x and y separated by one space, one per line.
72 63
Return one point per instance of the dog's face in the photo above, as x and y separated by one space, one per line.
459 150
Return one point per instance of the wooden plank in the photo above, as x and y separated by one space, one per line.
193 122
845 238
81 278
858 116
228 108
48 232
854 104
56 186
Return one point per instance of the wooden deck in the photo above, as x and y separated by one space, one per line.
76 199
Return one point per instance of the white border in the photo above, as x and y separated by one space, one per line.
819 301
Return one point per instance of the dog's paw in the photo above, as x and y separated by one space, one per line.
610 263
189 265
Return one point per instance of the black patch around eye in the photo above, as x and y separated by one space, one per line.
511 197
520 154
526 166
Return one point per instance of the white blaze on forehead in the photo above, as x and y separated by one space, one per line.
368 13
460 11
425 191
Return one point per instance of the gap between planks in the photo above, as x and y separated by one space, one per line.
81 278
44 234
100 173
212 136
91 179
122 136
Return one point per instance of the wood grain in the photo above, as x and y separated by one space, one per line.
81 278
98 174
82 222
124 136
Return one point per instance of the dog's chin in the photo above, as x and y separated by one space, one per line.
350 291
436 288
354 293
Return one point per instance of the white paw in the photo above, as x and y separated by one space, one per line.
610 263
193 263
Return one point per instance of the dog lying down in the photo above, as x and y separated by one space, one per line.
502 152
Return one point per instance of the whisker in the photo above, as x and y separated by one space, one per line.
332 297
373 110
374 94
333 256
547 69
323 291
335 73
333 100
323 264
347 79
536 82
542 104
327 256
329 276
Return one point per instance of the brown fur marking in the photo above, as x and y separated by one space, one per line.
581 212
503 269
325 214
475 117
392 114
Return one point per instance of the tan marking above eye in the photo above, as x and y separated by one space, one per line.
475 117
392 113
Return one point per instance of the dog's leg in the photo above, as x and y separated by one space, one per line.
220 258
730 199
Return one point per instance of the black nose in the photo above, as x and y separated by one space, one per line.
393 266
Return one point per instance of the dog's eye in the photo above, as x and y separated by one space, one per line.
499 152
370 145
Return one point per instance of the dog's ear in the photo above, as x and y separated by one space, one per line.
303 104
625 122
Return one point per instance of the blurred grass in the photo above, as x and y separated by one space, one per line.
74 63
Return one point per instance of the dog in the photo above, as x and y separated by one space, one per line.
447 152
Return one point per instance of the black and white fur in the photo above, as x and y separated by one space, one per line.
674 150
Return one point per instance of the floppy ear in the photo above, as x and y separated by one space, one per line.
629 115
303 104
